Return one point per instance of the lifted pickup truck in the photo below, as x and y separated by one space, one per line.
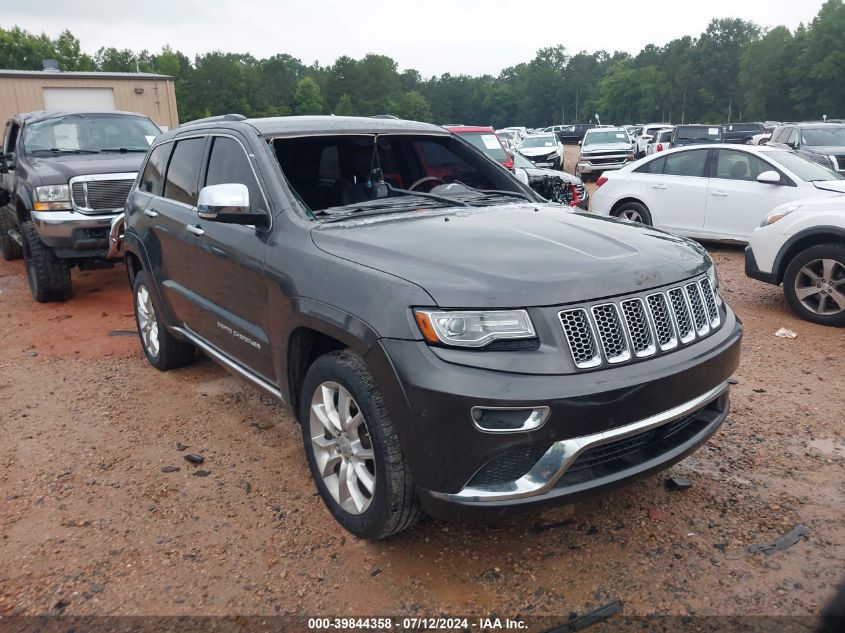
64 178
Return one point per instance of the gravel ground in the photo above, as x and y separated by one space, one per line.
92 525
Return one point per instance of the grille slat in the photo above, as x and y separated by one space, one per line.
640 327
579 335
100 195
611 333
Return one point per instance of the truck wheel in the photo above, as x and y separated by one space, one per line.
814 284
162 349
49 276
11 249
634 212
352 449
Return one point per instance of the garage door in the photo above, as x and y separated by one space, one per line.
78 98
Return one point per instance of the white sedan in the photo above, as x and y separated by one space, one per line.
712 192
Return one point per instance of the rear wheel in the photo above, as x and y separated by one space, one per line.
48 275
814 284
11 249
352 449
633 212
162 349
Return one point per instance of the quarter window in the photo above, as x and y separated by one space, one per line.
183 171
229 164
736 165
153 174
686 163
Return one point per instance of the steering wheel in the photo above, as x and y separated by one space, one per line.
425 179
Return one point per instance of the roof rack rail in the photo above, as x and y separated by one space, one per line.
219 117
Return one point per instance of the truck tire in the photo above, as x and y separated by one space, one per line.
814 284
48 275
162 349
11 249
352 449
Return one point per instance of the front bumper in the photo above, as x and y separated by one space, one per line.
589 167
456 465
752 269
74 235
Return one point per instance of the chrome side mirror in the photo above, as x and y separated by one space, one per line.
228 203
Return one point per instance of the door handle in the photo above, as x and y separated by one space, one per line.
658 187
193 228
721 194
151 213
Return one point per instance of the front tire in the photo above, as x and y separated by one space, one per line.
48 276
634 212
10 248
352 449
814 284
162 349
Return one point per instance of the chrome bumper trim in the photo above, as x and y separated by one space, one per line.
561 455
118 224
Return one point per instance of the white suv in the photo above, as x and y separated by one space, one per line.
802 245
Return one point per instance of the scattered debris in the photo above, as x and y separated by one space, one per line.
656 514
786 333
95 588
181 447
678 483
262 425
733 381
720 546
123 333
593 530
375 572
542 527
32 354
201 473
589 619
170 469
784 542
194 458
243 483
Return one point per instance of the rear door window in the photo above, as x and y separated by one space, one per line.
153 175
182 182
690 163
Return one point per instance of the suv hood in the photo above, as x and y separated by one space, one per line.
56 170
514 255
825 150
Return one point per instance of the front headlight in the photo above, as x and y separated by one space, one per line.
779 214
714 282
473 328
52 198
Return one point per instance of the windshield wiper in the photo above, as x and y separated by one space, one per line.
124 150
431 196
63 150
497 192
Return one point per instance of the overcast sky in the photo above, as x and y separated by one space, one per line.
433 36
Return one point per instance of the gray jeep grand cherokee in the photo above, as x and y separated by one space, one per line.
449 341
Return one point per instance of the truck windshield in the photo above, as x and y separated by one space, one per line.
90 133
604 138
825 137
338 174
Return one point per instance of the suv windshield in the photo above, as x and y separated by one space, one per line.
827 136
90 133
803 168
709 133
487 143
342 174
539 141
603 138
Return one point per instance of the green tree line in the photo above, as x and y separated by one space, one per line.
734 70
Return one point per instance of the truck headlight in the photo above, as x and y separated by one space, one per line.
473 328
52 198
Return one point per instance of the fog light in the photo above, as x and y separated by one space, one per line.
509 419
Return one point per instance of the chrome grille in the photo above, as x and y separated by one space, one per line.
710 303
97 194
667 336
580 337
699 315
639 327
636 320
611 333
680 309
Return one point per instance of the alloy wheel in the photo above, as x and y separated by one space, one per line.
342 447
820 286
630 214
147 321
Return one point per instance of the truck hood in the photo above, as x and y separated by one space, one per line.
56 170
514 255
606 147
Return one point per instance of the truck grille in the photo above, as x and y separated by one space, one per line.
90 196
637 327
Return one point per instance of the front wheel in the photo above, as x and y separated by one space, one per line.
352 449
48 275
814 284
634 212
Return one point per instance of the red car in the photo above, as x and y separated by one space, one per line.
485 139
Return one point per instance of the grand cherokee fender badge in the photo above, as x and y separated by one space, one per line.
237 334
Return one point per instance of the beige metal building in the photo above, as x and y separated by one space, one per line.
29 90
